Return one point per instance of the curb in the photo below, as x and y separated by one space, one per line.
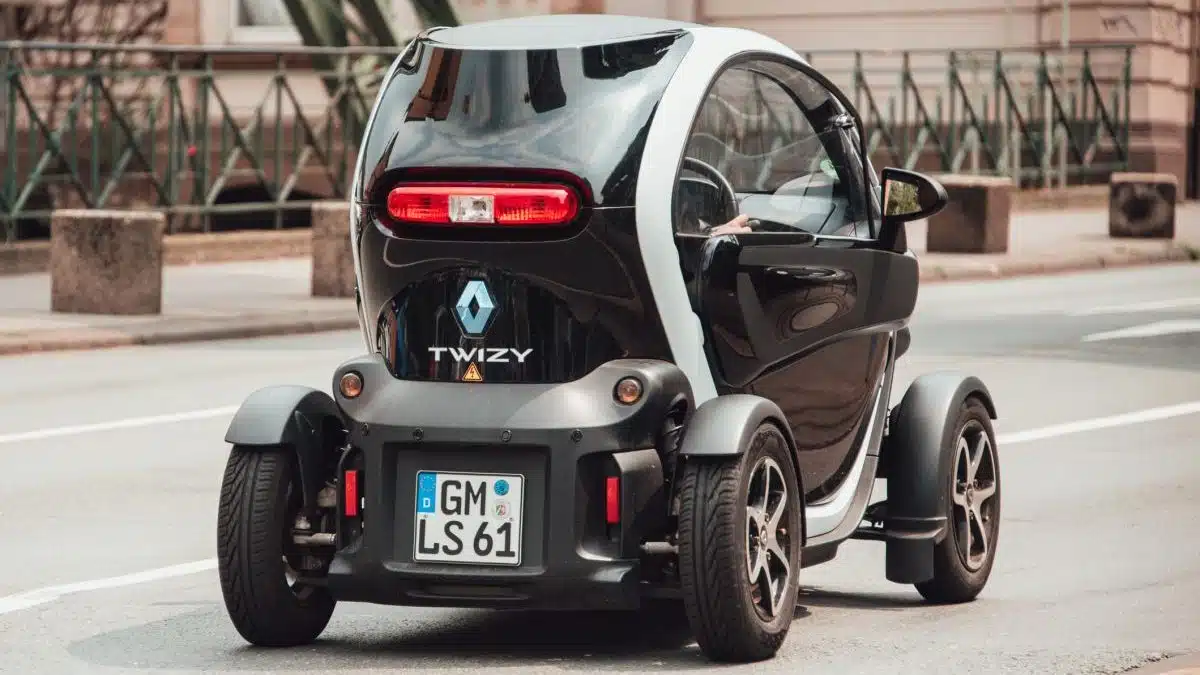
256 327
33 257
970 272
104 338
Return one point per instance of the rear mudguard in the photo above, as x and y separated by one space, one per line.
302 419
724 426
917 456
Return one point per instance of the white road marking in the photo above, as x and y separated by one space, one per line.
130 423
1097 423
1172 327
1150 306
41 596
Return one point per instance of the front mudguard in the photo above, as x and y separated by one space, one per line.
917 456
302 419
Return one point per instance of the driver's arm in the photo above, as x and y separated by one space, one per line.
739 225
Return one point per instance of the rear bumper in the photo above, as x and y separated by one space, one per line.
564 439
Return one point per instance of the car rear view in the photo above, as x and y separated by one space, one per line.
505 298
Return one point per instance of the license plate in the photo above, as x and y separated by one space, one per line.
471 518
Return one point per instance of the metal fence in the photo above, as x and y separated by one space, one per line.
234 138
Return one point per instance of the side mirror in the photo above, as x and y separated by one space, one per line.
908 195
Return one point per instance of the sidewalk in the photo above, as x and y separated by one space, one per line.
250 299
200 302
1061 241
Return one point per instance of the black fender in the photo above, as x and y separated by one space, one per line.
723 427
300 418
917 468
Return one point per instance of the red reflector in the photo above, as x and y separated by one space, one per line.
612 500
351 493
483 204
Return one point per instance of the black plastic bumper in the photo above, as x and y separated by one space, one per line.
565 439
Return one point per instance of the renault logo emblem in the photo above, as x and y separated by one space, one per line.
474 308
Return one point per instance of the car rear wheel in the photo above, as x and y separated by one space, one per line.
739 548
260 499
963 560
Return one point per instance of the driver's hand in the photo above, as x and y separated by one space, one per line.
739 225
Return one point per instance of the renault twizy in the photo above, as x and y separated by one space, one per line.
632 296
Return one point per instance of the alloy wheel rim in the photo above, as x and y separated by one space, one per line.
973 496
768 563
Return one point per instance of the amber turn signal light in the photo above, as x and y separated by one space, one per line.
628 391
351 385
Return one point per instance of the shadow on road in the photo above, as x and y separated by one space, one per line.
878 601
363 638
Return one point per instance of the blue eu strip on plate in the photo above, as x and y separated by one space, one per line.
426 492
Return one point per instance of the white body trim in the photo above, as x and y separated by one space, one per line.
665 141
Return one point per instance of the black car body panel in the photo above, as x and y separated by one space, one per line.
805 321
574 317
576 296
564 439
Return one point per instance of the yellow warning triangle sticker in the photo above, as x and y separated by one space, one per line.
472 374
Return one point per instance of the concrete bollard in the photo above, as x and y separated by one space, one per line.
976 216
1142 205
106 262
332 259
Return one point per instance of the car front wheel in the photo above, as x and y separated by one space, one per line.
963 560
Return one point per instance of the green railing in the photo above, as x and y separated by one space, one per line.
236 138
1042 117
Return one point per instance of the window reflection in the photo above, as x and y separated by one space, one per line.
436 95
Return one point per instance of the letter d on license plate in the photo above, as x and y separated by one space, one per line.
471 518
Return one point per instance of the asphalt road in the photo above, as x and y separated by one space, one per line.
107 516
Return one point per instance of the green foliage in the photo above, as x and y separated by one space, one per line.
901 199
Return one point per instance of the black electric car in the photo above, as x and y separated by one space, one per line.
632 295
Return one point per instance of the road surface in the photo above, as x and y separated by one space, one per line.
110 463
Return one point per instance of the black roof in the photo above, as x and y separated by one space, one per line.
553 31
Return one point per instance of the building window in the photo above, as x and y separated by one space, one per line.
262 21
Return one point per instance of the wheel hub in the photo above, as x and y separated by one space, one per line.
768 565
975 485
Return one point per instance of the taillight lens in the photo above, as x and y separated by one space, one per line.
483 204
350 494
612 500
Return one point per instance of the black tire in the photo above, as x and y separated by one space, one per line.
255 512
957 578
715 549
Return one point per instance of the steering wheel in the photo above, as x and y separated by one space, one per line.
709 171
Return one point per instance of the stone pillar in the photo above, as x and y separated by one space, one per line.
106 262
1142 205
976 216
332 258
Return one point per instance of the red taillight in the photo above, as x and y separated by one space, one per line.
350 491
612 500
483 204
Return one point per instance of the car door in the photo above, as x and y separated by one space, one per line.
800 308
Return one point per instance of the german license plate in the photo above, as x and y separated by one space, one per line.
471 518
